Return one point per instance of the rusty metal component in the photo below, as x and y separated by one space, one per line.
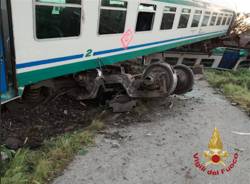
90 83
160 76
185 79
122 103
157 80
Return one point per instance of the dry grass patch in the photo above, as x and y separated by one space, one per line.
235 85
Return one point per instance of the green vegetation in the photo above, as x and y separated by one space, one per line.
41 166
234 84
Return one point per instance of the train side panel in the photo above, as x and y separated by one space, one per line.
41 59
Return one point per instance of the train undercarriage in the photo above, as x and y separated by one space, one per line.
123 83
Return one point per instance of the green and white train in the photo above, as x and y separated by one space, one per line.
43 40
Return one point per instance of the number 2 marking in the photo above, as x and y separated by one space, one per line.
89 53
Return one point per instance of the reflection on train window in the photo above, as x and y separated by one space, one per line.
112 17
206 19
184 18
196 18
229 20
145 19
219 19
54 21
168 18
224 20
213 19
60 1
114 3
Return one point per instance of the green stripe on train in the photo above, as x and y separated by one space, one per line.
48 73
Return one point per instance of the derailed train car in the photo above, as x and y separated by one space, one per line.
45 42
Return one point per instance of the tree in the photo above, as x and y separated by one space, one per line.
240 25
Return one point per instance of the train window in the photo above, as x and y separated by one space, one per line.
112 17
184 18
213 19
229 20
206 19
219 19
168 18
189 61
196 18
207 62
57 18
145 17
172 60
224 20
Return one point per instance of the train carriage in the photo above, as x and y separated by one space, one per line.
45 39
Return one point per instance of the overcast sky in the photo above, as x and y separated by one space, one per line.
242 5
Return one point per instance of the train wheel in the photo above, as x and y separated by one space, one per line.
160 76
185 81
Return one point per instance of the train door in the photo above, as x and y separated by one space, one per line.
8 87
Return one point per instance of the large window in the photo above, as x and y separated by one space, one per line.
57 18
224 20
206 19
185 15
112 16
168 18
146 15
219 19
196 18
213 19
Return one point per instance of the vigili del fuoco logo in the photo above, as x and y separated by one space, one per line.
215 156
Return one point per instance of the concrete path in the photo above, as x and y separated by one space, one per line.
161 152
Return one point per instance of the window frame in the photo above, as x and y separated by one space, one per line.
229 19
221 15
206 14
200 14
183 13
168 12
70 5
153 21
225 17
100 7
214 14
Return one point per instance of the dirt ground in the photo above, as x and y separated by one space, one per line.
159 147
29 124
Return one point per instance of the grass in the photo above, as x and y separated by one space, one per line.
234 84
42 165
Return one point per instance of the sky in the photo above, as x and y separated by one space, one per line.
241 5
